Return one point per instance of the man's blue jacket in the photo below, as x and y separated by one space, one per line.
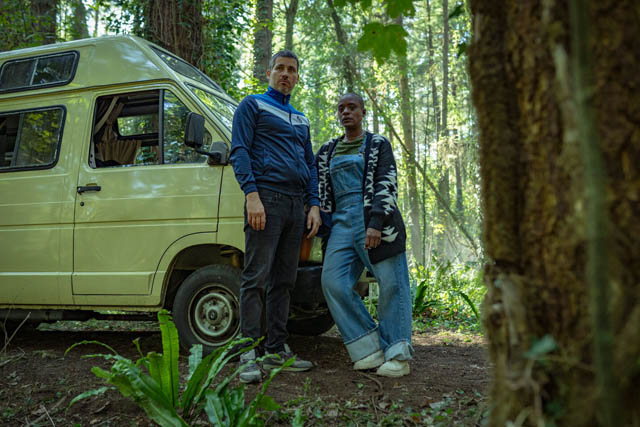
271 147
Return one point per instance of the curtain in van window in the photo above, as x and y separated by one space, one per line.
109 148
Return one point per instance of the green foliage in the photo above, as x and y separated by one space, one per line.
225 405
382 39
394 8
224 22
458 10
447 292
152 382
20 27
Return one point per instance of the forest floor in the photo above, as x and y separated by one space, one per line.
447 385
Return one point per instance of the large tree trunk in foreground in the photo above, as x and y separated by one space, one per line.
535 227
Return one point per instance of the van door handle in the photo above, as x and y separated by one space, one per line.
88 188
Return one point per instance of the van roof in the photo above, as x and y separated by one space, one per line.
104 61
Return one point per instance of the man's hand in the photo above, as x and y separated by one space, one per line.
255 211
313 221
373 238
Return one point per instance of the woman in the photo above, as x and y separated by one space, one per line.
357 183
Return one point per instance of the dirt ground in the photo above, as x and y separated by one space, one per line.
37 381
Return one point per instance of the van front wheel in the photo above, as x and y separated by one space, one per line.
206 308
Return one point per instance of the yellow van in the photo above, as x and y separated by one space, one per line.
104 207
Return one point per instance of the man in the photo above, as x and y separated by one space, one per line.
357 178
274 164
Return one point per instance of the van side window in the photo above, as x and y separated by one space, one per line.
141 128
37 72
175 118
30 139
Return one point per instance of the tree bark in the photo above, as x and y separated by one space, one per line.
409 159
262 46
348 64
290 16
44 20
177 27
535 222
443 181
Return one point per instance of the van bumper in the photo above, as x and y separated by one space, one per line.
308 289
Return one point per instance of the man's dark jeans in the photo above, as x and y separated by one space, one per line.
270 268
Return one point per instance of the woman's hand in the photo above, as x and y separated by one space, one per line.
373 238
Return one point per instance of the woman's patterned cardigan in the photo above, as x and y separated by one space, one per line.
380 192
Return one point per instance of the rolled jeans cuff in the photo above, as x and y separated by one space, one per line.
364 345
400 350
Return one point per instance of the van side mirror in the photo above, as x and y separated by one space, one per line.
219 154
194 137
194 130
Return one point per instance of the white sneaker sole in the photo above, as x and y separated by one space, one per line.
385 371
371 361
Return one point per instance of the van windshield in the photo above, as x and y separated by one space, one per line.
220 107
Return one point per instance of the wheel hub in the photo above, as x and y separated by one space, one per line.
213 313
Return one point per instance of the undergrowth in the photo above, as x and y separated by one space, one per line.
153 382
457 408
443 295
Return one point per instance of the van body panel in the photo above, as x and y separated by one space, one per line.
184 242
36 216
122 230
117 302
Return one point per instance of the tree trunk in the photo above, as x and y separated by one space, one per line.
263 39
44 20
373 112
443 181
177 27
290 15
96 18
79 28
535 222
409 159
348 65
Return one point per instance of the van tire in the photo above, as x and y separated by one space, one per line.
311 326
206 307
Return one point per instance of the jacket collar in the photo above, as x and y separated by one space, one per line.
280 97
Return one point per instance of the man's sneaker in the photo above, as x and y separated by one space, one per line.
273 361
251 373
394 368
371 361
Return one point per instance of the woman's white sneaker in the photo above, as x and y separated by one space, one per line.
394 368
371 361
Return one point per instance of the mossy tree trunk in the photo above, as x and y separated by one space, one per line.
535 230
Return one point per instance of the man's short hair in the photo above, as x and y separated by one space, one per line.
355 95
285 54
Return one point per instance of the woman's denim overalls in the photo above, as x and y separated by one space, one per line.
344 261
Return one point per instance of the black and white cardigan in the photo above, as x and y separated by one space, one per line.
380 193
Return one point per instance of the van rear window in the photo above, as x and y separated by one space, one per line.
30 139
37 72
